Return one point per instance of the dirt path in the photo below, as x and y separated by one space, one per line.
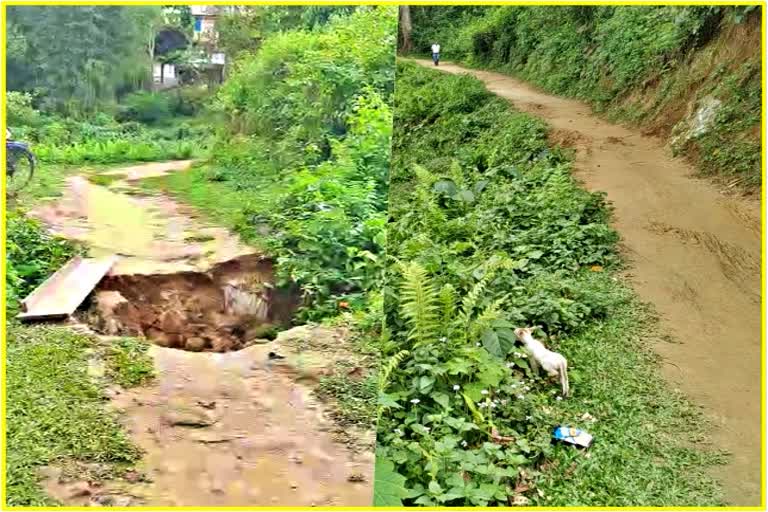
695 255
236 428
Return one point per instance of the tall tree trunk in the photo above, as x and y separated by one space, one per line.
151 52
405 29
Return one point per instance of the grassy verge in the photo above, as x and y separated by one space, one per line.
492 232
56 412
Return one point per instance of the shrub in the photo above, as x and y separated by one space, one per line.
32 254
19 110
145 107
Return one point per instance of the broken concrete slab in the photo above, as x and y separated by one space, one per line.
62 293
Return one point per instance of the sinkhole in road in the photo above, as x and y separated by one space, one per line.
230 306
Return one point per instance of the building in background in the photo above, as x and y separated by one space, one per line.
213 60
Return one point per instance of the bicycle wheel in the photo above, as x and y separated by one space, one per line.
20 168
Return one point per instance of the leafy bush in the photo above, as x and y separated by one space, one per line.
306 148
300 87
145 107
19 110
188 101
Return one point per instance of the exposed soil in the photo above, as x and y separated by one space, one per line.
234 429
231 420
695 255
227 308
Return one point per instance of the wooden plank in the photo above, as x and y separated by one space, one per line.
62 293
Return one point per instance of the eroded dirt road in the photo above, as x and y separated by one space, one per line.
217 427
695 255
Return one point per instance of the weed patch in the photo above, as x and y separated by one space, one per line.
56 409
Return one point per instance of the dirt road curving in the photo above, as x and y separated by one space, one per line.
218 426
694 254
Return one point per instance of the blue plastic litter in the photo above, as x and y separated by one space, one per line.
574 436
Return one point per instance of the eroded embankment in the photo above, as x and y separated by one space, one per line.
233 305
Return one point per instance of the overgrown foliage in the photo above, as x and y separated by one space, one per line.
246 29
304 156
154 127
32 254
635 63
489 232
77 57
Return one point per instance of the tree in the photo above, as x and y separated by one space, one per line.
78 56
406 27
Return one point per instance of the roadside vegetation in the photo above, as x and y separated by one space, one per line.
488 232
654 66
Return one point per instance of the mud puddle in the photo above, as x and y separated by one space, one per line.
231 418
695 255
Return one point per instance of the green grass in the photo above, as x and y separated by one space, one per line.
353 399
127 362
646 447
55 411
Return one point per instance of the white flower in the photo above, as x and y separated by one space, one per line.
493 404
510 365
481 405
523 355
456 387
464 444
398 432
517 354
521 397
415 401
443 339
559 398
484 392
528 418
504 401
527 388
477 344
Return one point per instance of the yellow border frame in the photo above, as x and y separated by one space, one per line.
3 352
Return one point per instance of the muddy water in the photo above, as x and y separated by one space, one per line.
236 428
695 254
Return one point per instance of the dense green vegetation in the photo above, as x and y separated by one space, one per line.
79 102
300 166
489 231
55 412
643 64
76 58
